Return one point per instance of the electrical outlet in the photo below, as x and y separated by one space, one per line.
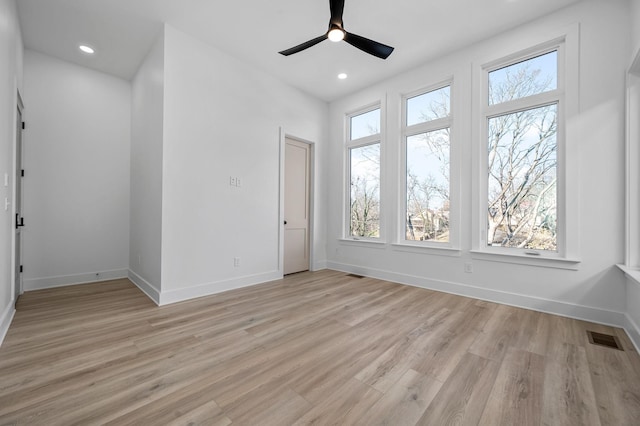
236 261
238 182
233 181
468 267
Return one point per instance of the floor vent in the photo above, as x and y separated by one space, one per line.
604 340
355 276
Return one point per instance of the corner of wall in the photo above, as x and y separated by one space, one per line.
145 286
5 321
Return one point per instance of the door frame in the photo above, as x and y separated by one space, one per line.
19 285
282 145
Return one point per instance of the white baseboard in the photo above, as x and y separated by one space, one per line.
633 331
5 321
319 265
632 276
145 286
61 281
207 289
587 313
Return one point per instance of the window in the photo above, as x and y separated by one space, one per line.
363 153
427 166
521 129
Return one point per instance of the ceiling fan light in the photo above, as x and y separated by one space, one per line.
336 35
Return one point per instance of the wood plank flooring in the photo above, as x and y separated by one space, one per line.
314 348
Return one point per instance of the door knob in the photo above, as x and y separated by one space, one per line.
285 222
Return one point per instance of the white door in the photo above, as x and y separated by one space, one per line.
296 206
18 205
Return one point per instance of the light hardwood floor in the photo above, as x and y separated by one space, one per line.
314 348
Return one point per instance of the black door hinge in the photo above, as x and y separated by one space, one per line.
23 125
22 172
21 268
19 221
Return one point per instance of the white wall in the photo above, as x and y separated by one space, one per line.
76 185
634 16
146 171
10 83
596 291
222 119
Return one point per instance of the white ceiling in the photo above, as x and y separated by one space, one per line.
122 32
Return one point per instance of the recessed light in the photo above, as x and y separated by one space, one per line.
342 76
86 49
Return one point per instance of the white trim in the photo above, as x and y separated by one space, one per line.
5 321
19 107
521 258
633 331
65 280
570 310
207 289
319 266
363 242
281 158
631 273
145 286
632 279
522 104
422 248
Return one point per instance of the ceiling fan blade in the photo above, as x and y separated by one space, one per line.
337 8
371 47
303 46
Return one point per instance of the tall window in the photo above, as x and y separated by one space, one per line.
521 113
427 142
363 148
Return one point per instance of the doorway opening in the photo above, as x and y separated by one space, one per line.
297 206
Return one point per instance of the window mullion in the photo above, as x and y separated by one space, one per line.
441 123
522 104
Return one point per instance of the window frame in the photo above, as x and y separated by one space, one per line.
358 143
566 96
417 129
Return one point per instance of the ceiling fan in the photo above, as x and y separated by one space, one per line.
336 33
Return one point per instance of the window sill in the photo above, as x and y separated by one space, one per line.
424 249
363 242
630 273
519 259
